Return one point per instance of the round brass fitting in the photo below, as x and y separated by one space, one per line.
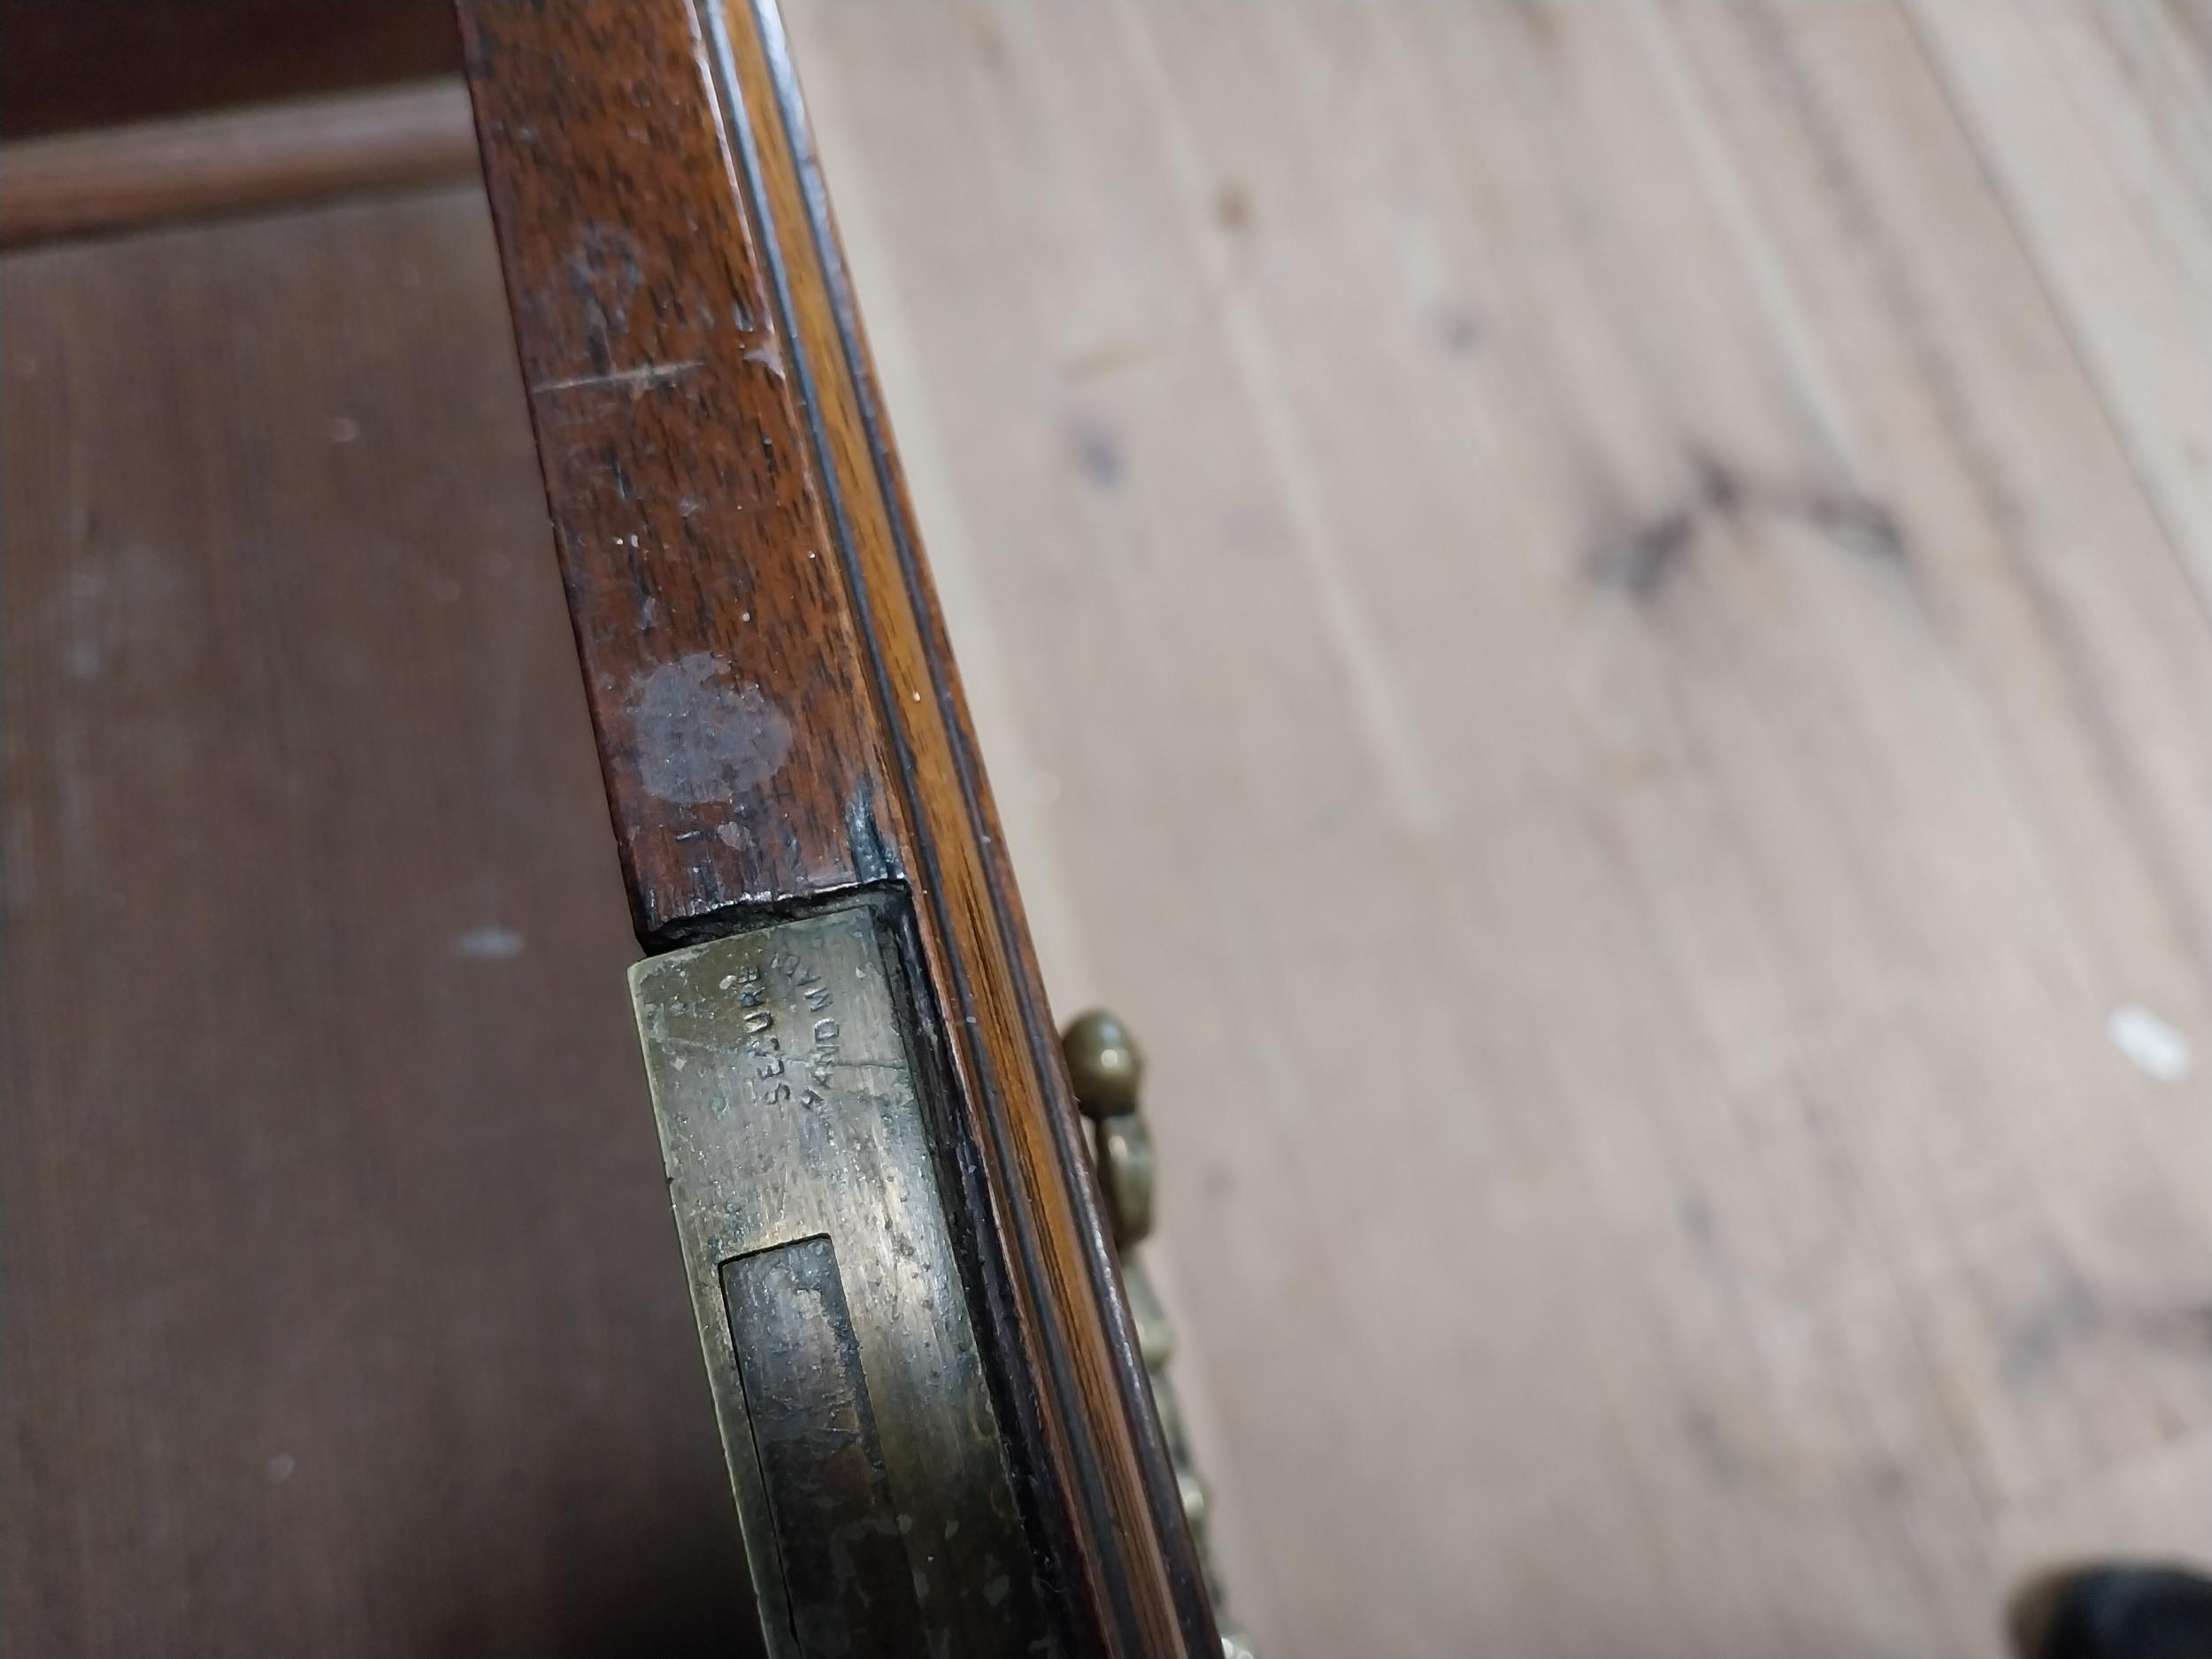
1104 1063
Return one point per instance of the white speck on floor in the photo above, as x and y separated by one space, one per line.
2155 1046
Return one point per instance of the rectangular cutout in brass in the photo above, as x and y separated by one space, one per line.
821 1459
861 1442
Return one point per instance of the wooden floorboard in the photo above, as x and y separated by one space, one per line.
1591 616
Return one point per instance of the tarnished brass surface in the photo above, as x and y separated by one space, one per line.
1125 1167
1106 1066
861 1442
1104 1063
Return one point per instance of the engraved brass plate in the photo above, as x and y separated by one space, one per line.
861 1442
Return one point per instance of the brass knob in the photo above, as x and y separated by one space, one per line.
1126 1176
1104 1063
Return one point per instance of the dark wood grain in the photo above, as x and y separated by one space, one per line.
778 714
73 65
721 664
339 1312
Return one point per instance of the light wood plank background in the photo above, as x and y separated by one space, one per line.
1594 615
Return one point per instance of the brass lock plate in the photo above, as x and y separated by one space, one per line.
862 1441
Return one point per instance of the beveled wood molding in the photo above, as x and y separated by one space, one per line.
111 179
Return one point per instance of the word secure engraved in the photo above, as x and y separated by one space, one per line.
862 1441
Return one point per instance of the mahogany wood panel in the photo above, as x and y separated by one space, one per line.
778 714
340 1312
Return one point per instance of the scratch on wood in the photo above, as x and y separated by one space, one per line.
639 380
764 353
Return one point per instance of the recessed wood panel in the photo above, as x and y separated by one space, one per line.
339 1312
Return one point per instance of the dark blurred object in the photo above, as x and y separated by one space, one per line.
2105 1612
68 65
